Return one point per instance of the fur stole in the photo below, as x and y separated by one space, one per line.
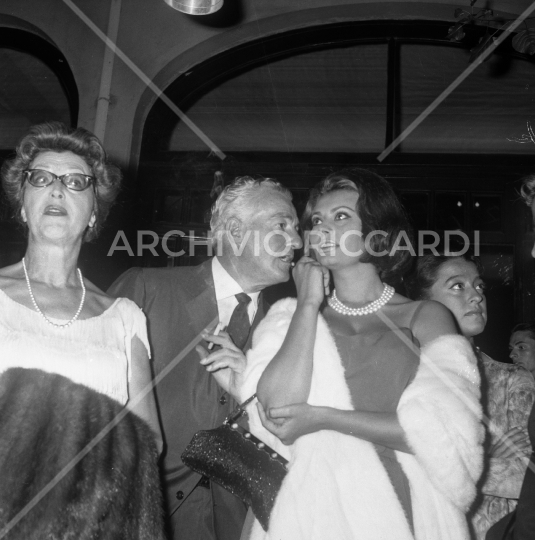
336 486
111 493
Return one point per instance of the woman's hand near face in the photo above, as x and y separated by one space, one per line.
312 281
287 377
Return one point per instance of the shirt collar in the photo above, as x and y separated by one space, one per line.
225 285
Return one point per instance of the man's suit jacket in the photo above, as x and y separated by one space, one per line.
179 304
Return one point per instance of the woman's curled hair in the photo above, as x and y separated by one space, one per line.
57 137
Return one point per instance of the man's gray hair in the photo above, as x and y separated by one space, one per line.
240 200
528 189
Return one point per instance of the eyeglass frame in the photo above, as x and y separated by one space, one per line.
91 179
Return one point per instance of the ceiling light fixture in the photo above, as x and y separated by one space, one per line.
195 7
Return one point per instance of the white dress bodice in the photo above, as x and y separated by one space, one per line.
95 352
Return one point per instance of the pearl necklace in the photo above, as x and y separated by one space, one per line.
37 307
372 307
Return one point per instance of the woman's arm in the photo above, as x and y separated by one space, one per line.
293 421
433 321
139 384
384 428
287 377
290 422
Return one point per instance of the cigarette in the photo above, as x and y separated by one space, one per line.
218 329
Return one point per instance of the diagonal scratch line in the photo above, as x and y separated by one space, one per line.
159 93
275 97
468 71
135 401
447 382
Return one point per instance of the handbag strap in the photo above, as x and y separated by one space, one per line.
239 411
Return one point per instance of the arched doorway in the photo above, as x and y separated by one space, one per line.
297 105
36 85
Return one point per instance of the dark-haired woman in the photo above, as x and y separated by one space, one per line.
507 390
359 386
61 187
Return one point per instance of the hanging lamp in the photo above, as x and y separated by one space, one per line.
196 7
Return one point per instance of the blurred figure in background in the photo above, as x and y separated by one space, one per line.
508 391
520 525
522 346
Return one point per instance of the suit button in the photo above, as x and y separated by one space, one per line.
179 495
223 399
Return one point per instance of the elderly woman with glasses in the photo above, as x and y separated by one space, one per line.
61 187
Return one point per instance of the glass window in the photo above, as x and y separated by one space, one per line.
486 212
493 104
417 207
331 100
450 211
30 93
498 274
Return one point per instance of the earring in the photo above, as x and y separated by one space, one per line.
23 215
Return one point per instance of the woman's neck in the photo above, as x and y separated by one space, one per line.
52 265
358 284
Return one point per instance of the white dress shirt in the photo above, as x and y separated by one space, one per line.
226 287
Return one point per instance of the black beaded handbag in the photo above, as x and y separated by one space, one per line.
234 458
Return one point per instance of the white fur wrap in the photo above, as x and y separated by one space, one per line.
336 486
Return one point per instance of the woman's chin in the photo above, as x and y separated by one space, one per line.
330 262
472 331
55 234
337 262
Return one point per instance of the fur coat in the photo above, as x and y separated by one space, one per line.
336 486
62 475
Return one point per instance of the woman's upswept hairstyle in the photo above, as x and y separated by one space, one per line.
379 209
424 273
57 137
240 200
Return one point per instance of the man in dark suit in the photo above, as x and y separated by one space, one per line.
254 226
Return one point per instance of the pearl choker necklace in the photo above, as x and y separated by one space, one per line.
372 307
37 307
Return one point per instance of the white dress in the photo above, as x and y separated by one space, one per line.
337 486
95 352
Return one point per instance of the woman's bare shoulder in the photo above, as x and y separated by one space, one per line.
13 271
426 319
97 297
12 280
433 320
410 312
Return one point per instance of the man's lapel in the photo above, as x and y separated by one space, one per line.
201 308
